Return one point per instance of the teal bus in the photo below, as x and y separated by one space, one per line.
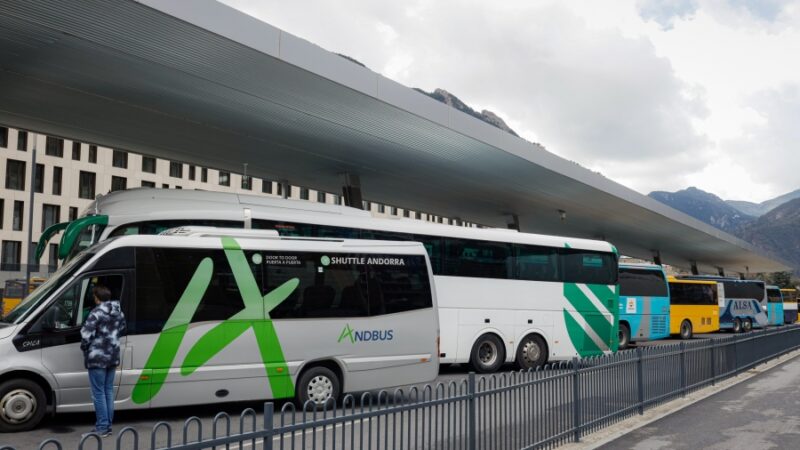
643 303
775 305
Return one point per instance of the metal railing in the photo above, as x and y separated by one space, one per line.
541 408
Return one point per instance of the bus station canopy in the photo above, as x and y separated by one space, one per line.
202 83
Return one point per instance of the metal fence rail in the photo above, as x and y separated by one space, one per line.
541 408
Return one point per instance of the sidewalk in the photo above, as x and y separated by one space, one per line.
760 413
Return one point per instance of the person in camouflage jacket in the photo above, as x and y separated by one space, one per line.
100 342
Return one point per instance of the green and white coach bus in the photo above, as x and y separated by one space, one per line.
504 296
221 315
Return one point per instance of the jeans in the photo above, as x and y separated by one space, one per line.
102 384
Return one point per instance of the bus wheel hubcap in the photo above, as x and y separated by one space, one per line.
531 352
17 406
487 353
320 389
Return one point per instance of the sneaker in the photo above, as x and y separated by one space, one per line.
106 433
94 431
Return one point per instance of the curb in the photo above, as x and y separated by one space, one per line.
617 430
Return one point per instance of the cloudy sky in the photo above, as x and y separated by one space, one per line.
657 95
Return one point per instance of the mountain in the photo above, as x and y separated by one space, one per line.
778 231
707 208
759 209
455 102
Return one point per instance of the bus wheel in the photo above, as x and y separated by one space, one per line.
318 385
22 405
488 354
624 336
532 352
737 325
748 325
686 329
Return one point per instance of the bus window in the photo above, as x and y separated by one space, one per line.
536 263
588 267
642 283
400 288
480 259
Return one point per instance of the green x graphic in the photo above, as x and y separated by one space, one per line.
255 315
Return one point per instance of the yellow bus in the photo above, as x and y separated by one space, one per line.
789 305
693 307
13 293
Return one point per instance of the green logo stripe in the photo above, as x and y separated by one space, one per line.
274 362
606 296
169 340
213 342
347 332
583 344
583 306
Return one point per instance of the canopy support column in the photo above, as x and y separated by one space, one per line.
694 268
351 191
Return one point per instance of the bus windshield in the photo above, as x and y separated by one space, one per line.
21 311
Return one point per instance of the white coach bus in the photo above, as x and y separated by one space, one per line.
221 315
504 296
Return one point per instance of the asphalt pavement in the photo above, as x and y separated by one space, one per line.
761 413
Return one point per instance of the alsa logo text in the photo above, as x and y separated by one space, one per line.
354 336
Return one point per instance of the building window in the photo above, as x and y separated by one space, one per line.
247 182
149 184
3 137
22 141
51 215
381 208
73 213
280 189
303 193
224 178
86 185
19 213
175 169
266 186
118 183
321 198
393 210
418 215
11 255
54 147
120 159
337 199
406 213
76 151
57 174
38 179
165 185
148 164
204 175
52 258
15 175
2 212
191 172
93 154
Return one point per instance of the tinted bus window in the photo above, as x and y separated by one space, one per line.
398 288
588 267
744 289
692 294
642 283
774 296
478 259
162 275
537 263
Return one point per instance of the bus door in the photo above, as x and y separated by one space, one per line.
59 329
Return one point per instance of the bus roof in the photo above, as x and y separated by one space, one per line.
643 266
136 205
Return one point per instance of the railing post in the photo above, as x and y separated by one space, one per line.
640 378
736 353
269 412
683 369
471 401
576 400
713 363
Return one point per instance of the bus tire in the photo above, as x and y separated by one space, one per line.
624 336
488 354
23 404
532 352
318 385
686 329
737 325
748 325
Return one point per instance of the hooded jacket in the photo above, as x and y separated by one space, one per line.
100 335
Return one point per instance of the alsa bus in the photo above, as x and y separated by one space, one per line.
225 315
789 305
694 307
741 302
775 305
504 296
643 303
